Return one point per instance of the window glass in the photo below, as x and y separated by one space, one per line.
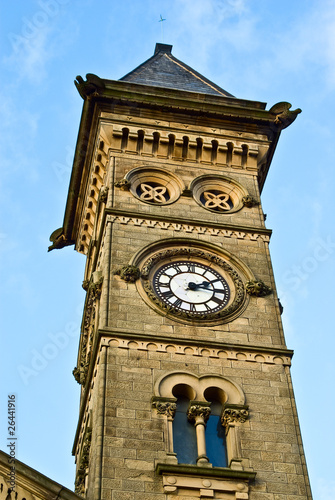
215 437
184 436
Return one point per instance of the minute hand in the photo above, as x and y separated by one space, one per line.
205 286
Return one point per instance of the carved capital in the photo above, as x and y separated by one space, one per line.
234 414
249 201
123 184
257 288
128 273
198 409
165 407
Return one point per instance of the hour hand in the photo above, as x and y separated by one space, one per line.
195 286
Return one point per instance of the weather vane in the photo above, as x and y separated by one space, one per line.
161 21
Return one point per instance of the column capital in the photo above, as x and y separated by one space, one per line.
234 414
165 406
198 409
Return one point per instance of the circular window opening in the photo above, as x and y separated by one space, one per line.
154 185
218 194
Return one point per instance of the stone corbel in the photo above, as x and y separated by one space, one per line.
249 201
122 184
257 288
128 273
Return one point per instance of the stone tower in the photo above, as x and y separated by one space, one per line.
184 372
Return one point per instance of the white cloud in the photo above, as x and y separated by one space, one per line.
29 55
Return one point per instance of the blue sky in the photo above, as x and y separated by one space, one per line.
255 49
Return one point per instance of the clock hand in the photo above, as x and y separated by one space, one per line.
195 286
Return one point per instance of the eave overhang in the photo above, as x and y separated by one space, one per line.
103 95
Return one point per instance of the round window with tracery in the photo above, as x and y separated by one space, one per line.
217 200
153 192
154 185
218 193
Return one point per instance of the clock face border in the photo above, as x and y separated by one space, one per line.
220 267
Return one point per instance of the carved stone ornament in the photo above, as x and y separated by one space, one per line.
198 410
85 285
76 374
249 201
283 117
257 288
123 184
96 288
83 464
167 408
89 88
103 194
232 415
128 273
197 253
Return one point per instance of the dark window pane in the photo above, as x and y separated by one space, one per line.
216 442
184 437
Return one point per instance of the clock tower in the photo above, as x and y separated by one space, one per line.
183 367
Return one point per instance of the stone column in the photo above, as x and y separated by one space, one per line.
198 413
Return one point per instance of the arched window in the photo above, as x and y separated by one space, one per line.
202 417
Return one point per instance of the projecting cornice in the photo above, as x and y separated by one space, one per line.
110 98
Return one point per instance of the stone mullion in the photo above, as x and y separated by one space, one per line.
198 413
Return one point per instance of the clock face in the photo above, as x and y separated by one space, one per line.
191 286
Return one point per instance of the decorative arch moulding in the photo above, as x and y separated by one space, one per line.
224 352
187 227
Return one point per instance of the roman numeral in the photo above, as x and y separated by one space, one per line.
216 300
191 267
168 294
177 303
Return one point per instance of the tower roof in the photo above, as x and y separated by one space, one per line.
165 70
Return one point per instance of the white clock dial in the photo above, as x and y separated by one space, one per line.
191 286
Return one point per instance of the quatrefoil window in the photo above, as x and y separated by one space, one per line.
154 185
216 200
218 193
153 192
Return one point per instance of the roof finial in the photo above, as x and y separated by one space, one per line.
161 21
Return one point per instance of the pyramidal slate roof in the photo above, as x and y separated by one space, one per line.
165 70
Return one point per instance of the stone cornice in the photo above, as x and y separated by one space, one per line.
187 225
200 344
